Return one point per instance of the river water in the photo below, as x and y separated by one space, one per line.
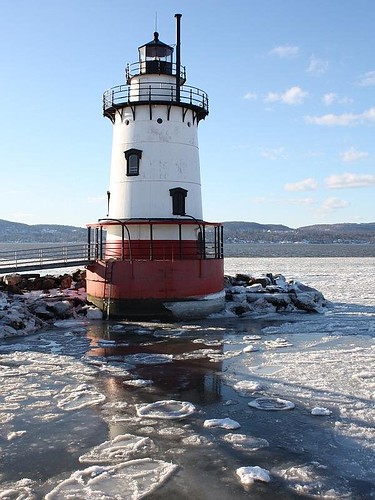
65 391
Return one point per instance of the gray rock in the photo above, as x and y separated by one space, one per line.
62 310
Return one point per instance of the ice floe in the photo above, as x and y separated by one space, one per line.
76 398
310 479
320 411
168 409
271 404
143 358
248 475
138 382
250 348
224 423
13 435
40 387
120 449
133 480
20 490
277 343
245 442
244 387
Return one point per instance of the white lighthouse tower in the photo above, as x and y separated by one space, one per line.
154 255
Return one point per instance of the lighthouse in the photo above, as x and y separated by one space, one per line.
153 255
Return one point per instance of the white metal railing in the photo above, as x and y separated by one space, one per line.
44 258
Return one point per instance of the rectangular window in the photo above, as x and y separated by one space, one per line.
178 200
133 157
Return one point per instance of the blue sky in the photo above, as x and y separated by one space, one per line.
290 134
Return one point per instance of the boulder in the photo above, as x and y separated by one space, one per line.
307 298
66 281
7 331
94 313
12 279
242 279
263 280
280 300
40 310
62 309
263 306
256 287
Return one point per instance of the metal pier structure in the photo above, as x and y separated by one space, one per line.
33 259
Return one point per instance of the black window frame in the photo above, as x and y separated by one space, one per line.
178 200
130 155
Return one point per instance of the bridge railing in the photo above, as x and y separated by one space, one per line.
44 258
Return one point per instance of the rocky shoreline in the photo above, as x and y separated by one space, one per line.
30 302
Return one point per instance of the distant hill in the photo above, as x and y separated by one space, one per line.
15 232
234 232
251 232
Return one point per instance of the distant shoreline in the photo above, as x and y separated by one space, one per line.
312 250
259 250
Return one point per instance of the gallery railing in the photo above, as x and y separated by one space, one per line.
44 258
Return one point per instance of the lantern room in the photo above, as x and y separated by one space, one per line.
155 57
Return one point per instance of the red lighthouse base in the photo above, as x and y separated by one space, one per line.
156 278
165 289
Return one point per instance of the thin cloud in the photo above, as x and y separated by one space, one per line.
367 80
308 184
349 180
352 155
343 120
251 96
294 95
331 98
332 204
274 154
285 51
317 66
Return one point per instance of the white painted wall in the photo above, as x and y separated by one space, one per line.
170 159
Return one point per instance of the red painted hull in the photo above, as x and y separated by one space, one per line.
141 288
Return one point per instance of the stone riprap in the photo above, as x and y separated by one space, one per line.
29 303
270 293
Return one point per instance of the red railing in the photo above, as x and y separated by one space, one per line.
208 245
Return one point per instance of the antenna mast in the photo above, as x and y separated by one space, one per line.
178 55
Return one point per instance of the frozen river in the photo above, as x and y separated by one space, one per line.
78 419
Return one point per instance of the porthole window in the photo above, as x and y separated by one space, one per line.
159 120
127 122
178 200
133 157
188 124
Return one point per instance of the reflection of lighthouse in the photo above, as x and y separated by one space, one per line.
159 258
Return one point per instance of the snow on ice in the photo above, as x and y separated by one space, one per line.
248 475
319 411
224 423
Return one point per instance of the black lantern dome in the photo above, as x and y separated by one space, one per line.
155 57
